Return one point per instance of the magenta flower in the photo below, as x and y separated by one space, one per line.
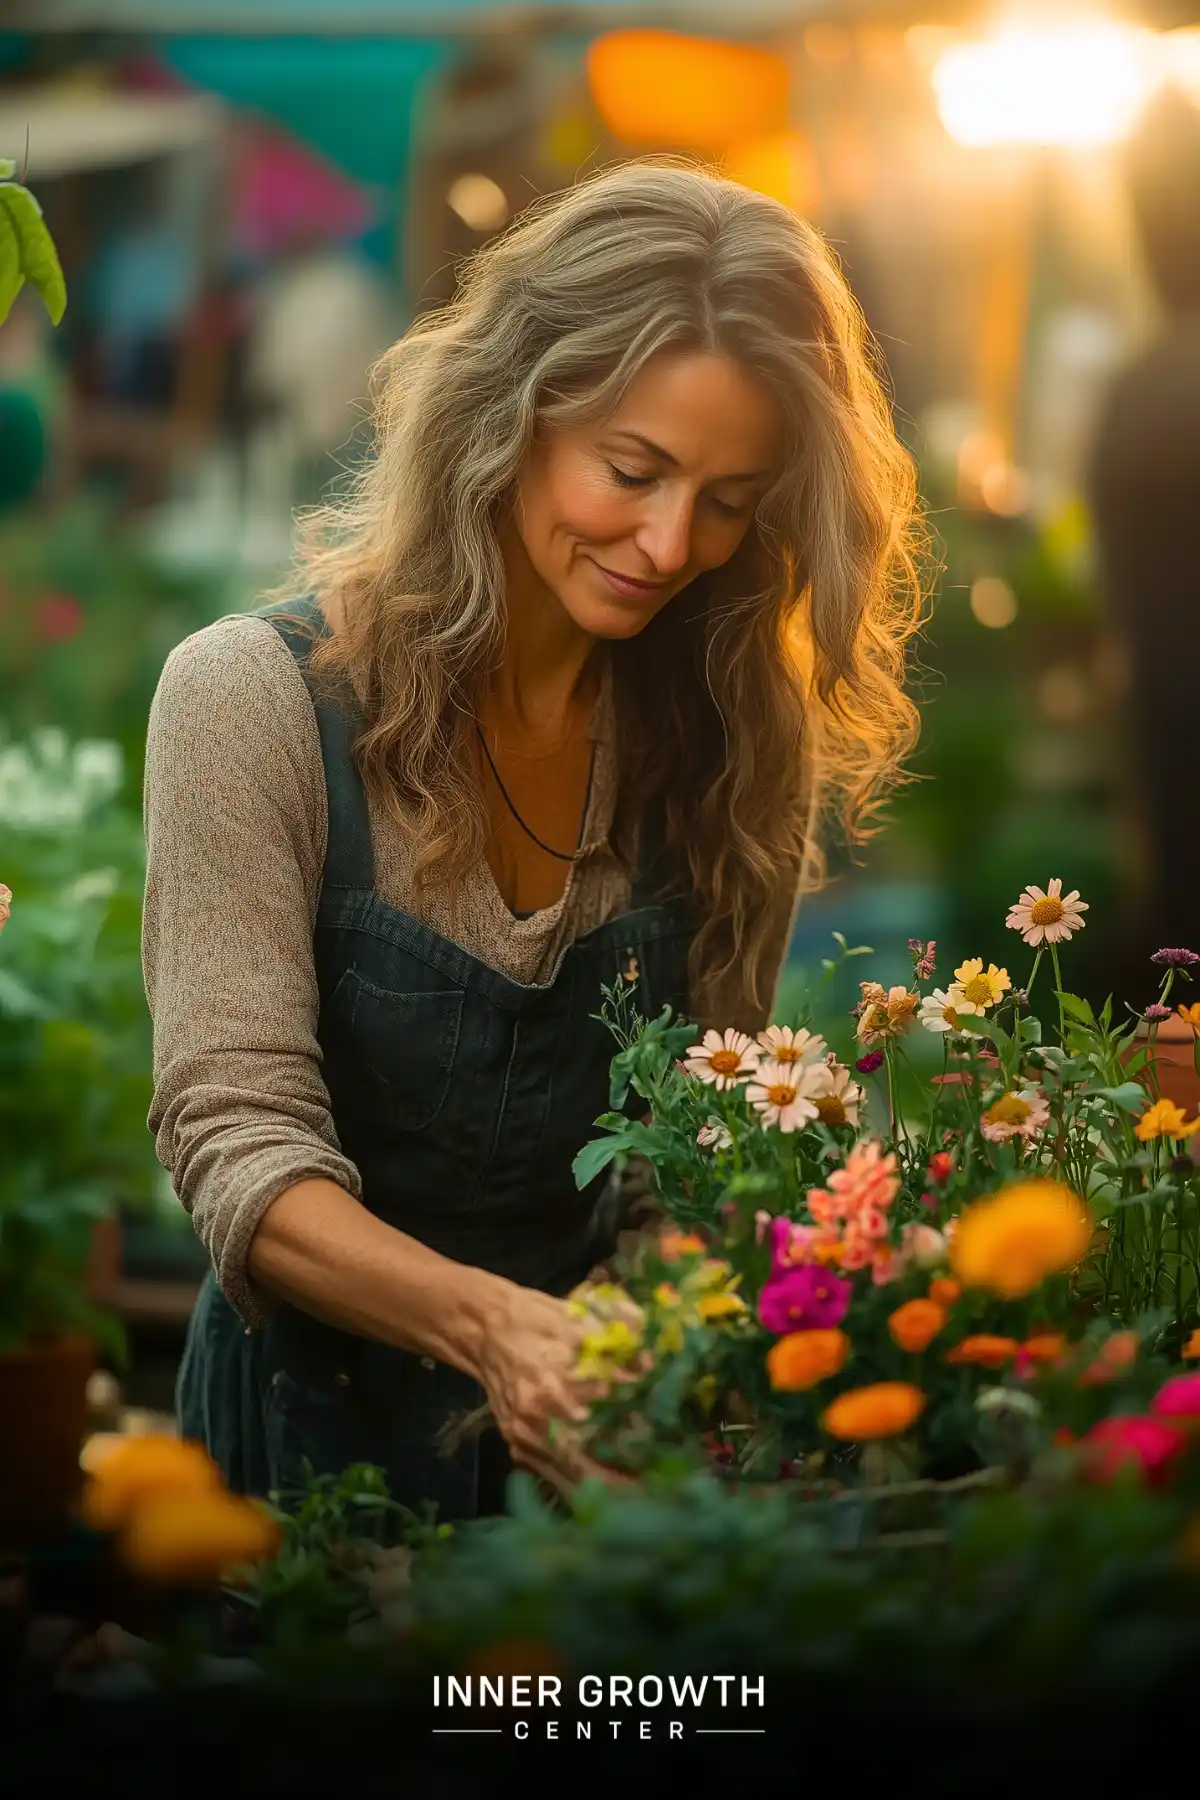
1178 1398
867 1065
1176 959
1148 1445
808 1298
1154 1015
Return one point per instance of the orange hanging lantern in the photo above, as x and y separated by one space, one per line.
661 87
782 166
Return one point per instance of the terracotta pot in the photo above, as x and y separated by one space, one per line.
43 1418
1174 1064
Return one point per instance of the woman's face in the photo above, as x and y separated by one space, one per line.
617 517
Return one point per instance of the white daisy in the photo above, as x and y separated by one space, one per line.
948 1010
783 1045
1048 918
835 1096
722 1060
784 1094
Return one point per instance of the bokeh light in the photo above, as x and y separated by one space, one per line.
993 602
1071 85
661 87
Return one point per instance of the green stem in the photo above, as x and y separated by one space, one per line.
1062 1017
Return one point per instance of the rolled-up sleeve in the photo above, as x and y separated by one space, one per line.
235 823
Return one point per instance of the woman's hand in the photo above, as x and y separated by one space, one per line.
525 1367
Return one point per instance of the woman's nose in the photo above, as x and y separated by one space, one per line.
665 533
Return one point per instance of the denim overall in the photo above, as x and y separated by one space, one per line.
462 1097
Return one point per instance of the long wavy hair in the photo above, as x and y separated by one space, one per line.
764 706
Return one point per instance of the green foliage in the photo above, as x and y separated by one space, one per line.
27 252
75 1082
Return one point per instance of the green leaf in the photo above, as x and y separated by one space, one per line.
20 1002
595 1157
1075 1008
1131 1097
21 222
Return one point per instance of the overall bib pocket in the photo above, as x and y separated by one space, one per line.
405 1044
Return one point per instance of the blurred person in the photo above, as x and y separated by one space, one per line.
572 687
1145 493
317 320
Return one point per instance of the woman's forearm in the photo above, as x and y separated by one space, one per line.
321 1250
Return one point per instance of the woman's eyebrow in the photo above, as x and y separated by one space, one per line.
665 456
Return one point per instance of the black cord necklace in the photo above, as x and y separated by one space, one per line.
559 855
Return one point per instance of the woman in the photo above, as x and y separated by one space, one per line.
611 622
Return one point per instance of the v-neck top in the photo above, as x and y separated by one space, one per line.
235 818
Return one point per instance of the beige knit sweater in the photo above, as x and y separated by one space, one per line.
235 822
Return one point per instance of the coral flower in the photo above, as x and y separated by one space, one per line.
1117 1354
1191 1350
1149 1446
673 1245
941 1013
1178 1398
782 1093
1047 918
803 1358
885 1409
978 986
805 1298
1164 1120
1013 1240
194 1539
780 1044
142 1468
862 1189
722 1059
984 1351
835 1096
1024 1115
915 1324
1044 1347
941 1168
945 1290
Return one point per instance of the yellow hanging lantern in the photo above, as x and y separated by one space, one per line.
661 87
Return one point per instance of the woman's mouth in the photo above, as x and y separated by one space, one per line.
629 585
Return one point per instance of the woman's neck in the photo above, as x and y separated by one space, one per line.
545 682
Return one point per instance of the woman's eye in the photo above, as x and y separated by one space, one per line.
628 481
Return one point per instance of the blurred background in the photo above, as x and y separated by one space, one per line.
253 197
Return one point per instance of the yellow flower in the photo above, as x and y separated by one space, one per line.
195 1538
1013 1240
1191 1350
705 1391
980 986
1165 1120
720 1306
611 1346
1191 1015
666 1295
142 1468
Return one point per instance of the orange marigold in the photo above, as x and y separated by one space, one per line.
1115 1355
945 1290
984 1351
915 1324
1191 1349
884 1409
1013 1240
674 1244
1045 1346
195 1539
803 1358
141 1468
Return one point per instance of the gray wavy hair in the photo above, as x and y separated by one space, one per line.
764 705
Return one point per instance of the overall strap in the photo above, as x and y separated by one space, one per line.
349 858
